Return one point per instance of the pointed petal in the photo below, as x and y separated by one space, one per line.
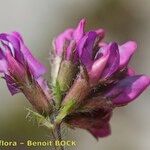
22 53
100 33
14 67
126 51
104 131
71 50
62 40
98 67
113 61
17 35
79 31
35 66
86 48
128 89
81 45
14 46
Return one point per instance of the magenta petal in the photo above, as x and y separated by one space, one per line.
100 33
17 35
14 67
3 63
113 61
21 53
36 68
85 48
13 88
98 67
70 50
104 131
14 45
3 66
126 51
62 40
80 46
79 31
130 71
3 36
128 89
12 41
1 54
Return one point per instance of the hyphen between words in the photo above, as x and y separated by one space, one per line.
33 143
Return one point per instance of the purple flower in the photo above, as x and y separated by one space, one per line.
65 63
103 61
65 43
127 89
105 81
90 77
65 59
22 71
97 122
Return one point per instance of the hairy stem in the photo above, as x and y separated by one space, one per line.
54 138
59 136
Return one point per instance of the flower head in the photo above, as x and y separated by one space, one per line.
102 61
65 65
65 58
105 81
90 78
21 70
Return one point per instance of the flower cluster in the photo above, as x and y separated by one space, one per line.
103 80
89 77
23 72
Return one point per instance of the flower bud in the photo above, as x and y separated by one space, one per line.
78 92
65 63
66 75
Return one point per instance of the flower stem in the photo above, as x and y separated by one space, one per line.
54 138
57 137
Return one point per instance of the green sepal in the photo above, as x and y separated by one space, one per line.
57 94
65 110
41 120
66 75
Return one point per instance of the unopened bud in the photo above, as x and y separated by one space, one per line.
73 99
66 75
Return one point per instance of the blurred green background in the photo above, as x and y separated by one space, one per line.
40 21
